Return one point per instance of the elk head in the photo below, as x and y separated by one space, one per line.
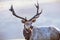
27 23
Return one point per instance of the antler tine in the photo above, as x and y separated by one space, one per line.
37 6
13 12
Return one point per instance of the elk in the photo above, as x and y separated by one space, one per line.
31 33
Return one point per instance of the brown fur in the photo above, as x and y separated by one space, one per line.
27 35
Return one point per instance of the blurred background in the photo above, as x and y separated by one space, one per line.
12 28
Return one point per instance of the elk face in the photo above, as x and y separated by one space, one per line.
27 23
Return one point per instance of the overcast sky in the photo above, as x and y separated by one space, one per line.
11 27
22 3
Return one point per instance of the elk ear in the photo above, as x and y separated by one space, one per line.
33 20
23 21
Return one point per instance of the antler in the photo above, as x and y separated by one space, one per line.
37 14
13 12
37 6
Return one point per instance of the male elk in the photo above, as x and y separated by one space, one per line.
31 33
